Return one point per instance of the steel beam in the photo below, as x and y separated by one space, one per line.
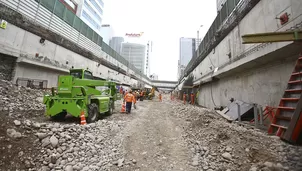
272 37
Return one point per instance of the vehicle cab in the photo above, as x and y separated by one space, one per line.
81 74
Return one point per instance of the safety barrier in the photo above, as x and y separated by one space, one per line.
32 83
219 29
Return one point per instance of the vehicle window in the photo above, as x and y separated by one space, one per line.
76 74
88 75
103 89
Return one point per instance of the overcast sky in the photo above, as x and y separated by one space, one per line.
163 22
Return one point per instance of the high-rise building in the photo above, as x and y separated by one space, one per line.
107 33
116 44
91 12
186 51
135 54
220 4
148 56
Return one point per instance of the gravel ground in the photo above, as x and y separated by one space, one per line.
156 136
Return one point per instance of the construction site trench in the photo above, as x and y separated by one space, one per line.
163 136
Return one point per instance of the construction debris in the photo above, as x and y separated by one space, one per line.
164 135
218 144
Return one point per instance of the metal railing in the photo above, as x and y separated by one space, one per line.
32 83
217 30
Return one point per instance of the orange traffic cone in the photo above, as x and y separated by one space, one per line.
83 119
123 110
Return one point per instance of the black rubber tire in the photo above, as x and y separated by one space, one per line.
59 116
110 107
93 112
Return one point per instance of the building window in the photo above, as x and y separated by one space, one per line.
101 2
70 4
92 11
97 6
89 19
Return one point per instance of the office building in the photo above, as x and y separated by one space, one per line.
186 51
220 4
135 54
107 33
116 44
91 12
148 57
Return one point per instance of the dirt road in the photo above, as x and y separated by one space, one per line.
154 139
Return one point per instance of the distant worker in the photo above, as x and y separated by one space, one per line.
129 98
137 95
142 96
196 97
134 101
184 97
192 98
121 90
160 97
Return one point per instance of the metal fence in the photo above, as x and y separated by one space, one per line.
53 15
222 15
32 83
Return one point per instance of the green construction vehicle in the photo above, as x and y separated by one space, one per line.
79 92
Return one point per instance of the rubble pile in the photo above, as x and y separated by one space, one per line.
31 141
217 144
58 146
17 98
77 147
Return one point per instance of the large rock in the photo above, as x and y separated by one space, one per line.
54 141
17 123
41 135
68 168
227 156
13 133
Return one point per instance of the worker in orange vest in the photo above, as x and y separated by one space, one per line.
185 97
141 95
160 97
192 98
135 99
129 98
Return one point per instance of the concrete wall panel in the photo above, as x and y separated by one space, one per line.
35 72
264 86
12 37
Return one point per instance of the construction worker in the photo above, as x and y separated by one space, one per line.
137 95
142 96
134 101
129 98
121 90
192 98
185 97
196 97
160 97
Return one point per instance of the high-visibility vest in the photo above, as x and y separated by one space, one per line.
134 98
129 97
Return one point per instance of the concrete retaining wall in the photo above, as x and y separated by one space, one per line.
250 72
48 57
264 85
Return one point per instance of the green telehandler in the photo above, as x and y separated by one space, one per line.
77 93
